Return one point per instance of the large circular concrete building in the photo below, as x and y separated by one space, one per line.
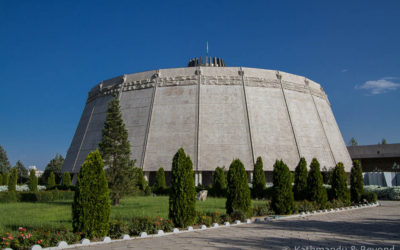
216 114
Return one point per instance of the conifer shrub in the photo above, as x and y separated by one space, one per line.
258 179
66 179
182 197
159 185
140 181
316 190
356 182
6 176
51 181
300 180
339 185
1 179
219 183
12 183
33 181
238 191
282 197
91 207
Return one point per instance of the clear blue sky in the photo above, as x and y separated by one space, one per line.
53 52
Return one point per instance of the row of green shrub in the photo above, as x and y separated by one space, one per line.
40 196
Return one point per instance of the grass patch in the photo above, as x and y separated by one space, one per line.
58 213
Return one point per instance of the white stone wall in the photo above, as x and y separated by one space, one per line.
216 114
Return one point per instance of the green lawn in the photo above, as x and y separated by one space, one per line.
55 214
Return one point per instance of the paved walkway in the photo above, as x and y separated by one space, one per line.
348 230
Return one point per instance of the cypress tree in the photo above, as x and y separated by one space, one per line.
356 182
33 181
140 181
238 191
91 207
339 184
282 197
66 179
51 181
115 150
54 166
1 179
6 178
182 197
12 183
258 179
300 180
23 174
316 190
219 182
5 165
159 185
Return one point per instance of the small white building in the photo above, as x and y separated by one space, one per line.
38 172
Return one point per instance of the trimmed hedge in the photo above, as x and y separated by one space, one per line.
219 183
160 185
41 196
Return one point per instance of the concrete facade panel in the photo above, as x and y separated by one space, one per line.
310 135
335 138
173 125
223 132
271 130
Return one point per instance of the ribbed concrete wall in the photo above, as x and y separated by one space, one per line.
216 114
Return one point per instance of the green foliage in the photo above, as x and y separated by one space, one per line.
182 198
115 150
316 190
66 179
339 184
160 185
140 181
23 174
219 182
238 191
6 177
282 197
91 208
300 180
54 166
33 181
12 183
258 179
51 181
1 179
370 196
356 182
353 142
5 165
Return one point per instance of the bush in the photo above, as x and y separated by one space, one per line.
91 208
305 206
335 204
238 192
356 182
1 179
282 197
316 190
339 184
160 185
147 191
12 183
33 181
370 196
182 197
141 182
51 181
118 228
238 215
219 183
258 179
262 210
6 197
66 179
204 219
300 180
